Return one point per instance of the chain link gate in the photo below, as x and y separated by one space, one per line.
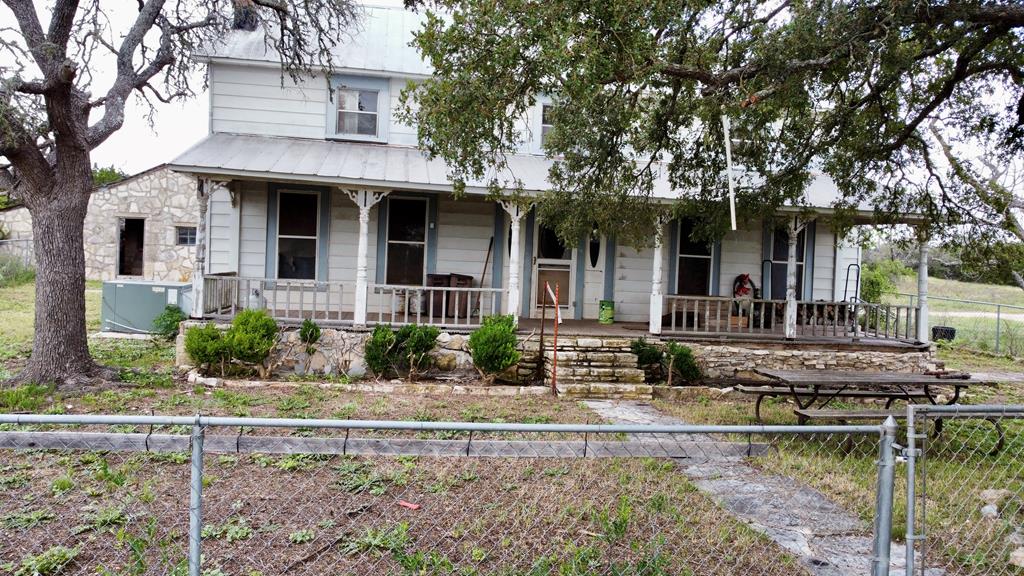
965 490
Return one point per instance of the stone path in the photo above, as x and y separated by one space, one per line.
998 376
826 539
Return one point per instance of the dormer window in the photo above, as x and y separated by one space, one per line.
546 122
357 111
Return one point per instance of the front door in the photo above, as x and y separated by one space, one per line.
552 263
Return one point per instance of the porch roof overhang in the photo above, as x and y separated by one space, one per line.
388 167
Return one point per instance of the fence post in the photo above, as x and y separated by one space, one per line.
884 496
999 310
195 507
911 536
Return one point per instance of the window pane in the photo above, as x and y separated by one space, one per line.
780 246
550 247
357 100
405 264
779 281
186 235
297 214
686 243
357 123
407 220
693 276
545 115
296 258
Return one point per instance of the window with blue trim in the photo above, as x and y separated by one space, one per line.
693 275
780 263
297 235
358 109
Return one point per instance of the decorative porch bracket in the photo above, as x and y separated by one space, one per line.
205 188
515 212
657 282
364 199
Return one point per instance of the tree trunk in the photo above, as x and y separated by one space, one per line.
60 349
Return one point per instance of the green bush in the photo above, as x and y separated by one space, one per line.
208 346
15 272
406 351
875 282
379 350
647 354
309 334
681 363
493 345
252 335
166 324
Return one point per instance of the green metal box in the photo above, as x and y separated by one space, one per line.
130 306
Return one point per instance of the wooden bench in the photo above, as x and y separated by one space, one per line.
846 416
814 393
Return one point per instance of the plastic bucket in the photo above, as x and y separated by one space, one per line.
606 312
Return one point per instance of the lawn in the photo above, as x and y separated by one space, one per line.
955 289
17 311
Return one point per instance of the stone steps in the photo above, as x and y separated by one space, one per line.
596 367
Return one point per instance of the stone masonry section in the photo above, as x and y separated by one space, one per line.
164 199
595 367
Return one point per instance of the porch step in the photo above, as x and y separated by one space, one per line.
606 391
594 366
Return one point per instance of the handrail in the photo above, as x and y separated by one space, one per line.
961 301
446 306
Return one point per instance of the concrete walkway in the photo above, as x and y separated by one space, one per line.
825 538
998 376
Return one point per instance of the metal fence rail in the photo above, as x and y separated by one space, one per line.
965 490
988 326
107 494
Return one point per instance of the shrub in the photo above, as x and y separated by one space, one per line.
207 346
876 280
379 350
309 334
407 350
166 323
647 354
14 271
493 345
681 363
252 336
414 345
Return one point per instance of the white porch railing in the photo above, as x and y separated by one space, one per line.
285 300
711 315
437 306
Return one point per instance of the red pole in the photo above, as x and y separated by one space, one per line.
554 347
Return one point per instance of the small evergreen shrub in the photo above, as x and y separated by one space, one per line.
493 345
647 354
681 363
252 336
414 345
405 351
309 334
166 323
207 346
379 350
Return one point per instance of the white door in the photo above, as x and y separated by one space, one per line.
553 263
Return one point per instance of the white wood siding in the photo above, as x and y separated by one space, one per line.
252 258
341 253
741 254
847 253
633 269
824 262
464 229
252 100
222 219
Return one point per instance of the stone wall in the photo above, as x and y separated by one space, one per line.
165 199
740 361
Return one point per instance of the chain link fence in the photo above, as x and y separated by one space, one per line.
246 496
17 260
985 326
966 489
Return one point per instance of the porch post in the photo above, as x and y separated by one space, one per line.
790 325
515 213
657 283
204 193
922 293
364 199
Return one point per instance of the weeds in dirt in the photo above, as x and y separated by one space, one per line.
26 519
613 524
103 518
379 541
62 484
301 536
234 530
357 476
49 562
12 481
26 398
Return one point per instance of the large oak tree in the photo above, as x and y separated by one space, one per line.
845 87
53 114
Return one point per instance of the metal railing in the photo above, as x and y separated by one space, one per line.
437 306
987 326
285 300
106 494
965 490
744 316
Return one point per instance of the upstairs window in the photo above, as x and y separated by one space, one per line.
546 122
357 112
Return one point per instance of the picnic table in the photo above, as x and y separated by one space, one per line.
810 387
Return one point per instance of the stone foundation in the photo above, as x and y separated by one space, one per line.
594 366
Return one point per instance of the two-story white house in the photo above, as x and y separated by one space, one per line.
324 207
